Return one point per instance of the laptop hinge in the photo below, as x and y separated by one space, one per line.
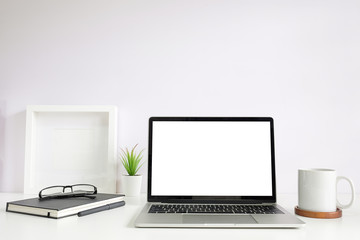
182 201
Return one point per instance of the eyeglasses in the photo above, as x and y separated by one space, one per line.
69 191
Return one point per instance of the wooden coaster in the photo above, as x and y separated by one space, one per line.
311 214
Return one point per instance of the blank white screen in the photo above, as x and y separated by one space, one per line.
211 158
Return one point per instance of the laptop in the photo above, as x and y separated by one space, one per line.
212 172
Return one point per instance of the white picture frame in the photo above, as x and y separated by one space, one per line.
70 144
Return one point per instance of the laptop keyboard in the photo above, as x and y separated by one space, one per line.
215 208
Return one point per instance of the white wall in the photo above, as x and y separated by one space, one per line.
297 61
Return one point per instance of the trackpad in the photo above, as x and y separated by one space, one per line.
218 219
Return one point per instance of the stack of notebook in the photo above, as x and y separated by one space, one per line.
58 208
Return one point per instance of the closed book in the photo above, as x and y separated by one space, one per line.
58 208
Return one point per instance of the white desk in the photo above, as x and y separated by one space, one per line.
119 224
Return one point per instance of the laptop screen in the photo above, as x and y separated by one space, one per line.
204 158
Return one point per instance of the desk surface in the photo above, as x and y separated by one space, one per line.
119 224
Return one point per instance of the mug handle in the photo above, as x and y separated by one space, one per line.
352 192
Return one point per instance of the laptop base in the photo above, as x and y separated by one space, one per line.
169 220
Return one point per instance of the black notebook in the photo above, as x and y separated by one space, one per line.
58 208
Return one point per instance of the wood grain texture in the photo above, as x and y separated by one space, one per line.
311 214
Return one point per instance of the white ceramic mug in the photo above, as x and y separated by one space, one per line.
317 189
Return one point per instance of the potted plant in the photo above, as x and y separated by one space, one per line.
131 160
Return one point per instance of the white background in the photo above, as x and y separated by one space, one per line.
211 158
297 61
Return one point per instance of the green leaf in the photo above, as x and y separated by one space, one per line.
131 160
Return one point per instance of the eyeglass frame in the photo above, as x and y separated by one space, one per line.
70 194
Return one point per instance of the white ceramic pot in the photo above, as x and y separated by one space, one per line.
131 185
